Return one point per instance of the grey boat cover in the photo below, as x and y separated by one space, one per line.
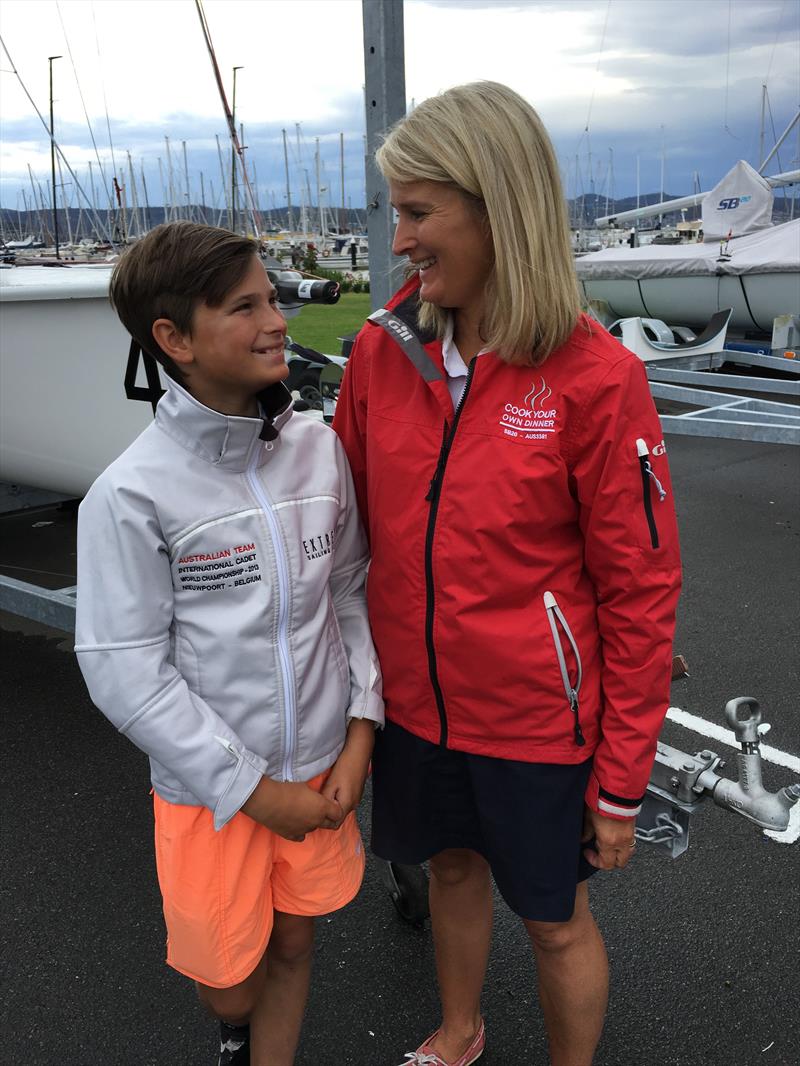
767 251
741 203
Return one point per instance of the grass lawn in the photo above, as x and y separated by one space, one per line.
319 326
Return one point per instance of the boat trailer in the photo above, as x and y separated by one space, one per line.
679 784
683 368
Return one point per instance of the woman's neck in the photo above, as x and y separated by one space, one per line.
467 332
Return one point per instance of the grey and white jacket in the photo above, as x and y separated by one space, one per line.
221 621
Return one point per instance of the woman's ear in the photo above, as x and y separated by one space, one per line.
172 342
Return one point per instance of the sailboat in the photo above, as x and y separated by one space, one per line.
744 262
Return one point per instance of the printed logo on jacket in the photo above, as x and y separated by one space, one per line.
532 417
224 568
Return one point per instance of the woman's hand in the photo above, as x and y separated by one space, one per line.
345 783
614 841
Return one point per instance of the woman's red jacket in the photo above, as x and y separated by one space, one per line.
525 567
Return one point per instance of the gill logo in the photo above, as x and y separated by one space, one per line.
398 327
660 449
536 398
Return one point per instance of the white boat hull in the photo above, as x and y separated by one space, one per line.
64 415
756 299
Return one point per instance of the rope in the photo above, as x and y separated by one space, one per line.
597 67
254 213
108 120
101 225
80 91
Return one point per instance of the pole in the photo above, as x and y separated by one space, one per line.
186 178
289 224
342 222
147 223
761 131
53 153
233 155
385 100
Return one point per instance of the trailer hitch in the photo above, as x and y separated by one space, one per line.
679 783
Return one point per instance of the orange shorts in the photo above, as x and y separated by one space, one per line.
220 888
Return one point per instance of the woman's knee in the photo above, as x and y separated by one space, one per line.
558 936
458 866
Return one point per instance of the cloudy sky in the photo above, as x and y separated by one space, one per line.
615 81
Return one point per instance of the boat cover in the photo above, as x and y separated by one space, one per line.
741 203
768 251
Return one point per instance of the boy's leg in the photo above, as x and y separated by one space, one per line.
278 1013
573 982
273 998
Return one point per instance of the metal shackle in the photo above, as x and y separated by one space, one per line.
745 728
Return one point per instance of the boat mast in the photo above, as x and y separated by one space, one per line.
225 186
186 178
64 203
233 152
134 198
147 221
341 167
319 194
50 60
203 198
289 223
761 131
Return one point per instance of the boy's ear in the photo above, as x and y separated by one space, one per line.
172 342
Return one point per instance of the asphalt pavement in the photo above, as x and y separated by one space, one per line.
704 949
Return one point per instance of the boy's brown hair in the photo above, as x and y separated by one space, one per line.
172 270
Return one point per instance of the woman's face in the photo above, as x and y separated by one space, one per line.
444 235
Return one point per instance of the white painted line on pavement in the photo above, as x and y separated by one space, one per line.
768 753
727 736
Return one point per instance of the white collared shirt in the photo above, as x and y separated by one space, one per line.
454 365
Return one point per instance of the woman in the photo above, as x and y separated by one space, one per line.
525 570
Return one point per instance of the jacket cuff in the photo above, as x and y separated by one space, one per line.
238 792
610 804
371 708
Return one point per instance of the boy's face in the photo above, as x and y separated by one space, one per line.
236 350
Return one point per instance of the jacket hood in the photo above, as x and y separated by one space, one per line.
219 439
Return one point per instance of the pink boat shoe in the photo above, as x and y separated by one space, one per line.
426 1056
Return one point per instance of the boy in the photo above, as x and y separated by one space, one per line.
221 625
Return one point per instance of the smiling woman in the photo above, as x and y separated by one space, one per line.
495 437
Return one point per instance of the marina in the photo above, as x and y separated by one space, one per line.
702 927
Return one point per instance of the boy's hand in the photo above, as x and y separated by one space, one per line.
291 809
345 783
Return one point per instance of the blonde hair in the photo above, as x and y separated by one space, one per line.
490 144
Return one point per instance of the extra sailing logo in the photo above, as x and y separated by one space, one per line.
533 418
316 547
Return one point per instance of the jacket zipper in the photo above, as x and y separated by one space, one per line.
282 567
643 453
433 496
556 618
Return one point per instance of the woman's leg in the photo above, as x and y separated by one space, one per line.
273 998
461 917
573 982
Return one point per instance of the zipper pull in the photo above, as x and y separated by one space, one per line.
580 739
644 458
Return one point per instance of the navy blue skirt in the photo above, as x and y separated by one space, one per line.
524 818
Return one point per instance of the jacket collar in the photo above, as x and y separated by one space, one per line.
223 440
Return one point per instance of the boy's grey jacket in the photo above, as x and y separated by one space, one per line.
221 621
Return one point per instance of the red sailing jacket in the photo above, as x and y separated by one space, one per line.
525 568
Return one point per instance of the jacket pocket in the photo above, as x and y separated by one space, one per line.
649 482
559 625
